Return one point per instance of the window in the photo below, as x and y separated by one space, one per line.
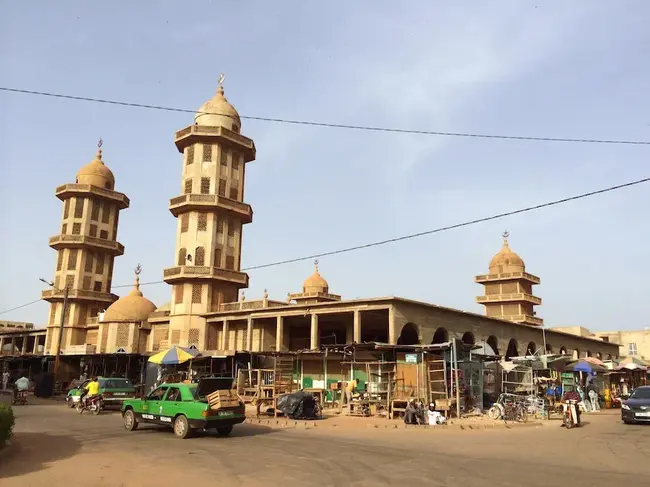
631 349
197 290
64 228
182 256
230 262
203 222
185 222
106 212
207 153
190 154
93 231
222 187
59 261
231 227
94 213
234 193
88 267
217 257
72 259
188 186
220 225
103 234
224 157
99 269
199 256
158 394
173 394
98 286
69 282
76 228
66 209
86 283
178 294
235 163
79 208
205 185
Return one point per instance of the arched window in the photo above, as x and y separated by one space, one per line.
468 338
599 355
549 348
576 354
440 336
409 335
588 354
562 350
512 349
531 348
494 344
199 256
182 255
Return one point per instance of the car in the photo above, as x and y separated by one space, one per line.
185 408
115 390
636 409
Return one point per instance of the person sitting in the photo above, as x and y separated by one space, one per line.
91 390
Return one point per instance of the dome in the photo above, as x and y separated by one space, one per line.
96 173
315 283
132 307
506 260
217 112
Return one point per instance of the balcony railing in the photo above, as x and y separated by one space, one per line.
208 201
202 272
201 130
507 276
490 298
111 246
53 294
67 190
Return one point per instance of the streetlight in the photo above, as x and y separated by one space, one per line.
63 312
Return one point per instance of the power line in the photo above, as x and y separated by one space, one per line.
331 125
412 235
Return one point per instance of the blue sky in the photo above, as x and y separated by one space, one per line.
560 69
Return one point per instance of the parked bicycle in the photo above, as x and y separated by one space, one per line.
515 412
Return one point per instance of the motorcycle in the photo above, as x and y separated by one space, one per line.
570 418
94 404
20 397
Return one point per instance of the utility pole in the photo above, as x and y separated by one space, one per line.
58 346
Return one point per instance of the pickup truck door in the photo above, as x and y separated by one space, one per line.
151 405
170 405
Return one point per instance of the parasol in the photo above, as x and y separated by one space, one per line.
173 356
585 366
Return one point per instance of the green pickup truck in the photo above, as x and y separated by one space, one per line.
115 390
185 408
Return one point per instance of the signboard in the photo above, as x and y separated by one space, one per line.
411 358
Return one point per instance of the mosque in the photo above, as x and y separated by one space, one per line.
207 309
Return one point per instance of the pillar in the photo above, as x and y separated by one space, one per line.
249 335
36 340
392 337
24 347
224 336
2 344
13 345
279 333
357 326
314 332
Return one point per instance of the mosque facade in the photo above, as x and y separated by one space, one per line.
208 310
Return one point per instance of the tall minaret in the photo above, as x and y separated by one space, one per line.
211 213
85 250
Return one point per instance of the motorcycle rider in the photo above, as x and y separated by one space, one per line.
573 396
91 390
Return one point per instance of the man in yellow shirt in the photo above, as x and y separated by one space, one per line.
350 388
91 390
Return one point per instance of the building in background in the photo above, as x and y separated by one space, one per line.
634 343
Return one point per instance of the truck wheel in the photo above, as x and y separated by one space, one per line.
224 430
182 427
130 422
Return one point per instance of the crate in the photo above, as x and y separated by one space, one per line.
223 399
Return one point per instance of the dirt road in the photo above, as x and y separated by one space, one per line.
55 446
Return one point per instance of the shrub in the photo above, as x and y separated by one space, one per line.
6 423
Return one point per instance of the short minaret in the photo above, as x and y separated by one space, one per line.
86 247
315 289
508 288
211 214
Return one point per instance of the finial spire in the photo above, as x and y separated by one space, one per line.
136 285
222 77
99 148
505 236
266 294
316 264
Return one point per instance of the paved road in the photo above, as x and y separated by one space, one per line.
55 446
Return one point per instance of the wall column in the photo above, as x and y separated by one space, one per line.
392 338
2 344
357 327
249 335
279 333
314 332
224 336
24 347
35 349
13 345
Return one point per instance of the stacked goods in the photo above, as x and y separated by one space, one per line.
223 399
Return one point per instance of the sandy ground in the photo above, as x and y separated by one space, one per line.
55 446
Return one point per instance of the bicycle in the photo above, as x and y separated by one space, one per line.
515 412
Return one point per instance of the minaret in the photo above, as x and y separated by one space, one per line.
211 214
509 288
85 250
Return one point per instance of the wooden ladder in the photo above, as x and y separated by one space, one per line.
437 372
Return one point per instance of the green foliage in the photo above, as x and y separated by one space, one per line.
7 422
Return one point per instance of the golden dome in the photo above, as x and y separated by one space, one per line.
315 283
132 307
96 173
506 260
217 112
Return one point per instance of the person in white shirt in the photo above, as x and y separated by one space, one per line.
5 379
22 384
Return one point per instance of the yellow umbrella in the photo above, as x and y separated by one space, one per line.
173 356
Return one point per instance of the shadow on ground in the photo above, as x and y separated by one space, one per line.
31 452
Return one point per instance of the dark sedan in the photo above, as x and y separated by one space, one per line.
636 409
